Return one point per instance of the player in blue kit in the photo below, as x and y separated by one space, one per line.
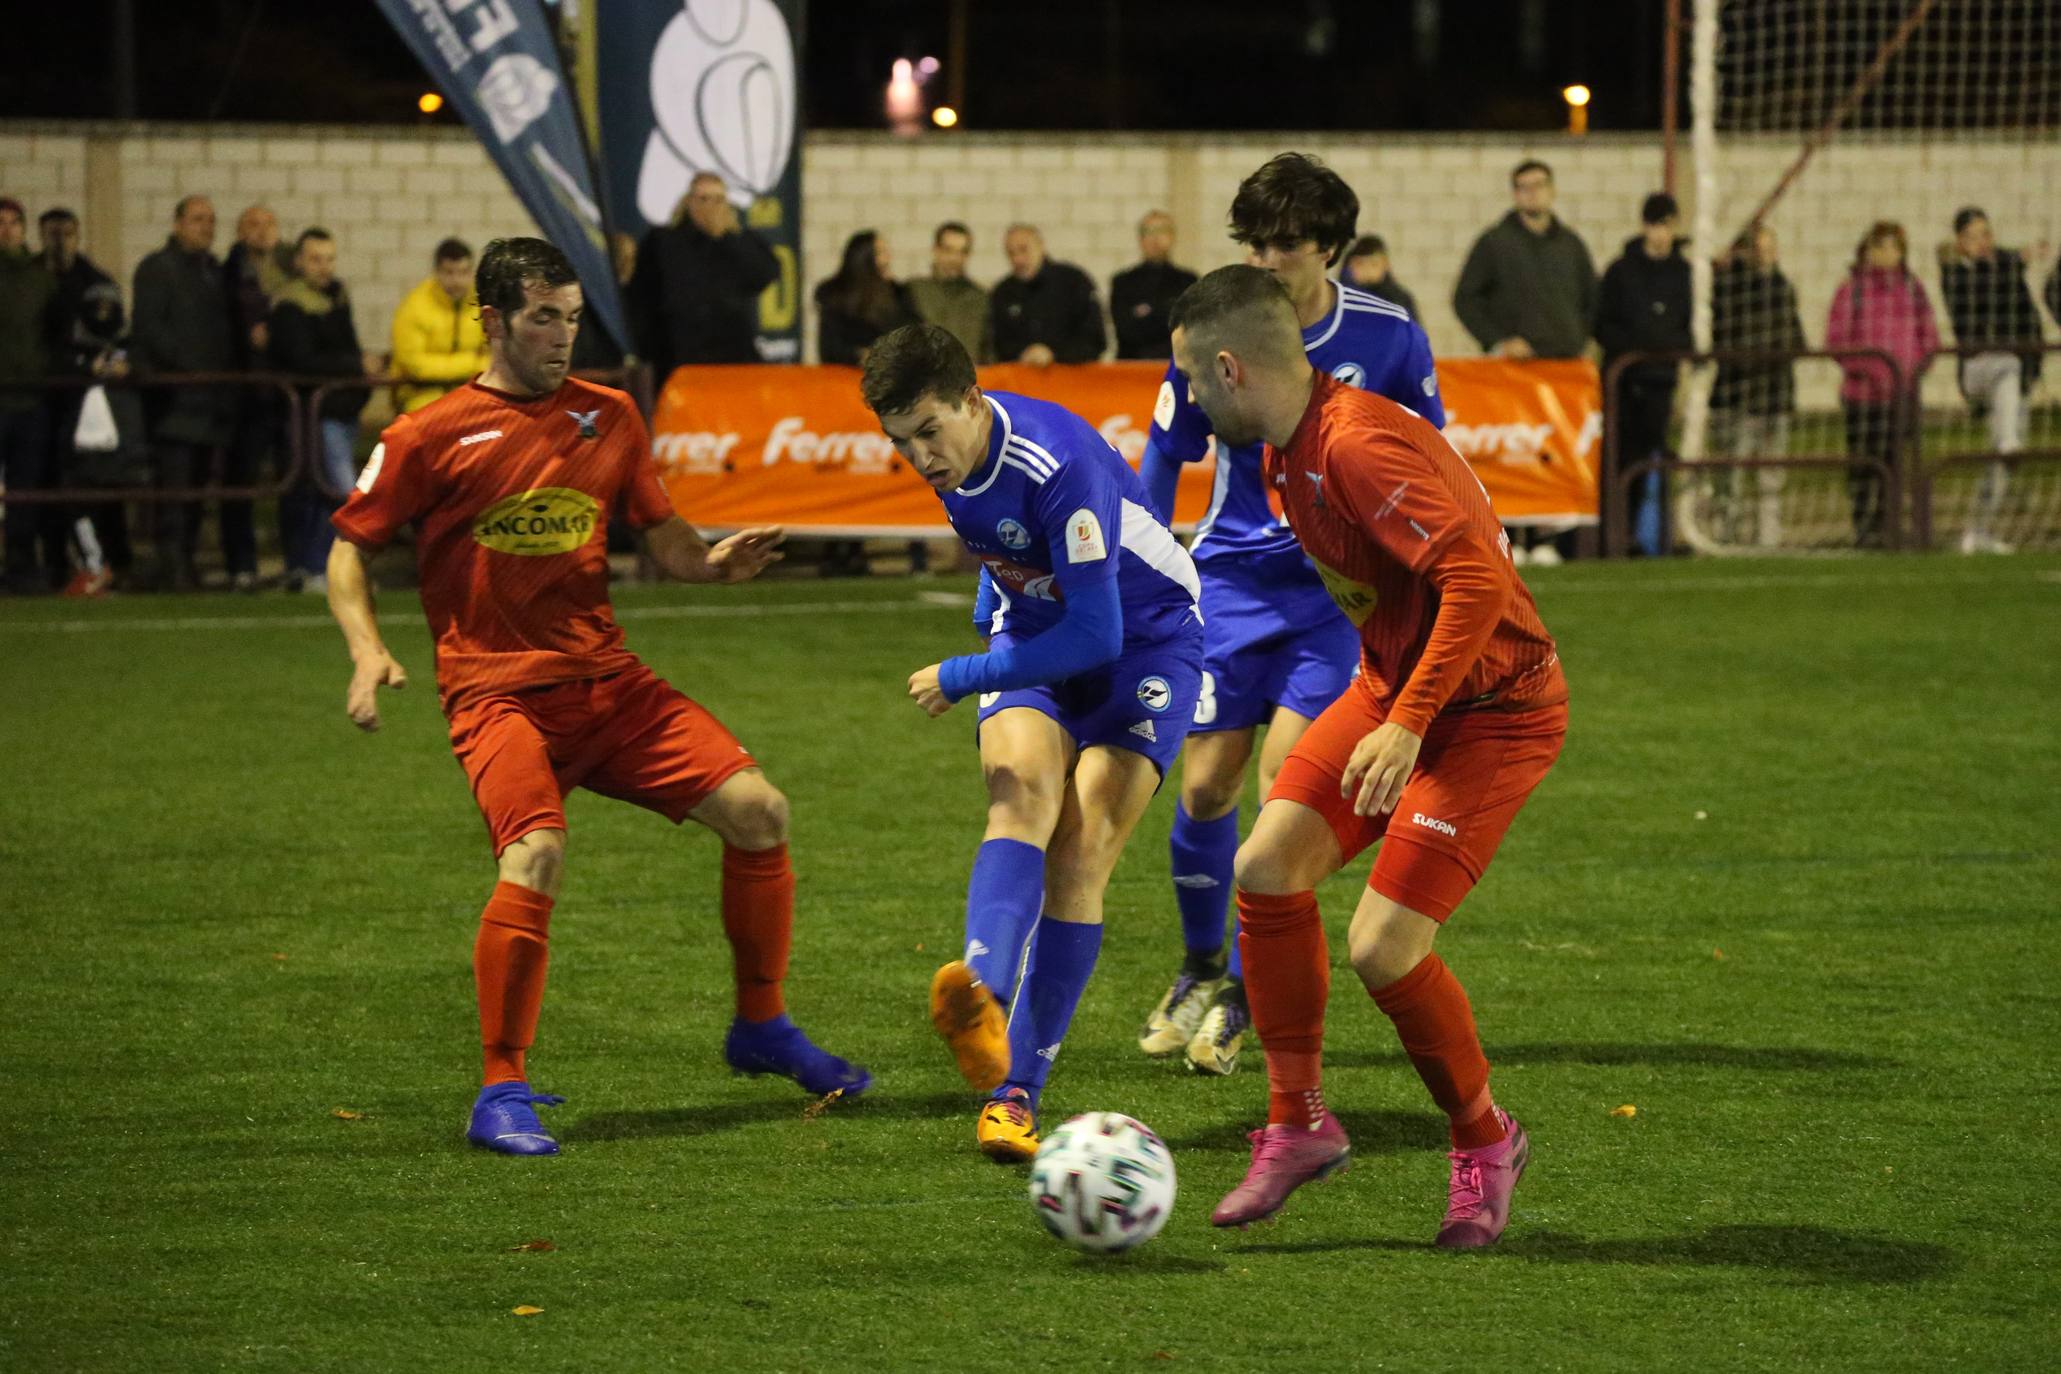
1093 664
1278 649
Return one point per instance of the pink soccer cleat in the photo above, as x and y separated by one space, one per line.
1283 1159
1478 1196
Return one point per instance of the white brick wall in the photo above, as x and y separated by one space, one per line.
390 194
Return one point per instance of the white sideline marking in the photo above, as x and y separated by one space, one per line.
313 622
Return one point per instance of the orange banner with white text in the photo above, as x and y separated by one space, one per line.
795 446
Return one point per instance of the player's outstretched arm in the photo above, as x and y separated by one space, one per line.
372 667
681 553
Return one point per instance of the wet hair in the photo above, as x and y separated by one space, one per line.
452 250
1293 197
913 362
509 267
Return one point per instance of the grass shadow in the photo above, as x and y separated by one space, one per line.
1695 1055
704 1118
1372 1132
1807 1254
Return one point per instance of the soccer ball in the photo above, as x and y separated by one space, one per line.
1103 1182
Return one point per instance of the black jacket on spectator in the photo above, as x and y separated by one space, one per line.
2051 292
27 327
695 299
1537 287
251 284
841 332
1395 293
1643 307
179 322
1056 308
314 335
1752 310
1140 298
1990 303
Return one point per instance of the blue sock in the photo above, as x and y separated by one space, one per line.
1003 899
1062 957
1203 852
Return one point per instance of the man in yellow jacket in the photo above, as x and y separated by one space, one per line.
438 343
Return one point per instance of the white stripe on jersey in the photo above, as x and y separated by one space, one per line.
1002 605
1010 459
1218 491
1355 299
1036 459
1039 455
1146 537
994 469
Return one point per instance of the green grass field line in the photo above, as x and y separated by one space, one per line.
1791 892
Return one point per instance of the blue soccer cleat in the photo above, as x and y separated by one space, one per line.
778 1047
502 1120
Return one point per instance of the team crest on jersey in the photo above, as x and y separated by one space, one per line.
1356 599
1352 374
1013 535
538 522
1155 694
587 420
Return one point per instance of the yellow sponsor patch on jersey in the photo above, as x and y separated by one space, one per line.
539 522
1356 599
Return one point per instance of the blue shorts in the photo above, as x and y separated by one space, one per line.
1270 645
1142 702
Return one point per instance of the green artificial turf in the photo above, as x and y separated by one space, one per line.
1791 892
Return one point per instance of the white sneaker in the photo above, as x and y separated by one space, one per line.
1545 556
1519 555
1178 1016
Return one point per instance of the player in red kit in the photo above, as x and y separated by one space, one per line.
509 482
1459 710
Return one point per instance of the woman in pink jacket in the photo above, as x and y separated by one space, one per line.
1882 306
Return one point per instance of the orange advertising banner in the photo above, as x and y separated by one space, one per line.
795 446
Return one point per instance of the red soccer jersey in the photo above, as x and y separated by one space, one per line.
1402 534
511 499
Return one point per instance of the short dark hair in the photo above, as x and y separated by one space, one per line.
1530 164
452 250
1366 244
56 212
1238 303
950 226
509 267
1967 215
1658 208
912 362
1293 197
316 232
179 210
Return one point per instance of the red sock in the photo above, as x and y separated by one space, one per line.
1287 978
758 917
508 961
1431 1014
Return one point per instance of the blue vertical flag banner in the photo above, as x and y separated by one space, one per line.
683 87
497 62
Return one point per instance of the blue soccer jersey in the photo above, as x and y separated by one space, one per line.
1366 342
1055 506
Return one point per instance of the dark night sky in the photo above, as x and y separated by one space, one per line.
1085 64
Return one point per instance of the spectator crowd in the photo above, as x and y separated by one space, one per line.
278 306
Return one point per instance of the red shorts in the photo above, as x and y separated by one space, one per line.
631 735
1475 771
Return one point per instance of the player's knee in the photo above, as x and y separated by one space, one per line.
759 820
1022 796
1263 866
1384 946
1209 798
535 861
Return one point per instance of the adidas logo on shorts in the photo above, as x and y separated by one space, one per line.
1143 730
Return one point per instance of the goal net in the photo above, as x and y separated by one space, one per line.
1816 120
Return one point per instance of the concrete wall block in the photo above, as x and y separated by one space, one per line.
316 179
454 154
349 152
292 152
401 153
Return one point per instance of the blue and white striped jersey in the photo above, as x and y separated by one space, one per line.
1054 502
1365 342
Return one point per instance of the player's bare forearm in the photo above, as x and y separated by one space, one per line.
682 554
372 667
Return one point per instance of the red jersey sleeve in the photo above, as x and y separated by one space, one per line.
1395 489
396 487
645 503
